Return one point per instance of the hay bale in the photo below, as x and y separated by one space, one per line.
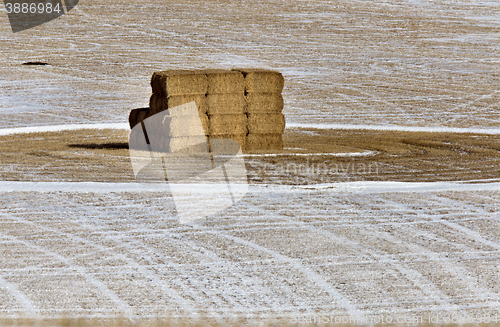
223 104
181 120
240 138
263 103
143 115
157 103
266 123
179 82
201 102
227 124
205 123
264 142
187 144
134 115
180 126
262 80
225 81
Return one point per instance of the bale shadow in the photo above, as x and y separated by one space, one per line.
107 146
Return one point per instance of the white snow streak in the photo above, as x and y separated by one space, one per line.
437 129
354 187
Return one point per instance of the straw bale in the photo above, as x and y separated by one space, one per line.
262 80
263 103
179 82
181 120
157 103
224 104
205 123
266 123
201 101
240 138
264 142
178 126
227 124
225 81
134 115
186 144
142 116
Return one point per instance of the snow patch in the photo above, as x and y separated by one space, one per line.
470 130
59 128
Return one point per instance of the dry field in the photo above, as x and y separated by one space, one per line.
310 157
342 223
298 244
402 62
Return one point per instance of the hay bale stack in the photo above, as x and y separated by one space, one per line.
226 105
228 124
264 106
174 88
244 105
267 142
223 104
179 82
221 81
262 80
266 123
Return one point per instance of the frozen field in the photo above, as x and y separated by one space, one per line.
415 63
343 249
378 248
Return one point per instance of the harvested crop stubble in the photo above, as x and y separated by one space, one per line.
264 142
222 81
240 138
263 103
266 123
228 124
262 80
179 82
219 104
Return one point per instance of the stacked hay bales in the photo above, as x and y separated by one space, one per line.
226 105
263 107
244 105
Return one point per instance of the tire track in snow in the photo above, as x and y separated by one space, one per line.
140 268
457 269
143 270
29 307
121 305
411 274
464 230
341 300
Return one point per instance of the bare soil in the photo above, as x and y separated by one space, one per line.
310 156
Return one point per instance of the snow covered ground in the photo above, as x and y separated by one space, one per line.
411 63
357 249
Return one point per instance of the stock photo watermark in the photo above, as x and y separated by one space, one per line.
26 14
320 171
397 319
203 176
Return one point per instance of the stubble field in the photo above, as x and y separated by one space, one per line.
367 226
